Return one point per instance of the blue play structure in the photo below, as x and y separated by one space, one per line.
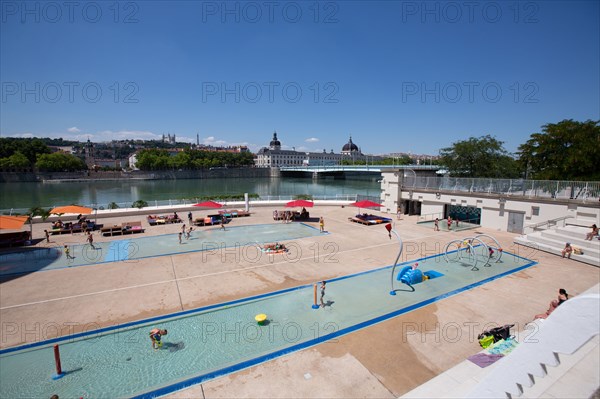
408 275
411 276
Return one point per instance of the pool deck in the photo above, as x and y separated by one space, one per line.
384 360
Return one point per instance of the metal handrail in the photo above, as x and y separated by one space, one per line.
547 222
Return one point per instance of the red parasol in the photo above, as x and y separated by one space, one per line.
300 203
366 204
209 204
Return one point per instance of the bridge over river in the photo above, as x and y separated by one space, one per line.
367 171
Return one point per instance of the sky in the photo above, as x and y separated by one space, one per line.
397 76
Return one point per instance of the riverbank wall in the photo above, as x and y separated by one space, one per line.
213 173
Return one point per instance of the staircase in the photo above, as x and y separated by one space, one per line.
553 240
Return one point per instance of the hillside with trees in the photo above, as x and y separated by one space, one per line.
158 159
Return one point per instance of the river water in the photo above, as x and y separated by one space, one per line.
22 196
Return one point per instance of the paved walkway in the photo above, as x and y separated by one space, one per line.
384 360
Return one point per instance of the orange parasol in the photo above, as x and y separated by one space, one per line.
76 209
12 222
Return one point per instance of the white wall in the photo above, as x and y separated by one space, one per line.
494 211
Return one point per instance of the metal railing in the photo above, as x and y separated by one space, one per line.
463 224
430 217
546 224
192 201
549 189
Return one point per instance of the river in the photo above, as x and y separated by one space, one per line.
22 196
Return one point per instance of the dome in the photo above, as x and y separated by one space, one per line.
275 142
350 146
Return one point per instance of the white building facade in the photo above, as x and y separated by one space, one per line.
503 205
274 156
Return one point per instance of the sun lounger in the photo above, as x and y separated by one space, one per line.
125 228
154 220
369 220
76 228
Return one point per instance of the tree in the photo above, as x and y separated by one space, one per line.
567 150
139 204
479 157
18 160
38 211
59 162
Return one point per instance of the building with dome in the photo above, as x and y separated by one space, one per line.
274 156
350 148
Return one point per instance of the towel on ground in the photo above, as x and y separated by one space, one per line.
483 359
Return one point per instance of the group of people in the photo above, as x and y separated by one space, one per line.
568 249
187 233
285 216
436 223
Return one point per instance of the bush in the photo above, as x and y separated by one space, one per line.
113 205
139 204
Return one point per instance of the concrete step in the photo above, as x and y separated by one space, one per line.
584 219
577 241
558 242
585 258
575 231
580 223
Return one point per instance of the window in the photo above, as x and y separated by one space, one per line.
535 211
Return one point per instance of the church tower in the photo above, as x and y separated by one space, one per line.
275 144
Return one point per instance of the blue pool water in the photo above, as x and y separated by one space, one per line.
37 259
220 339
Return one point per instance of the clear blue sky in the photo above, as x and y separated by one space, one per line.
397 76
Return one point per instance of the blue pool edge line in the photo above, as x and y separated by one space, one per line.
133 260
315 341
235 302
197 310
238 301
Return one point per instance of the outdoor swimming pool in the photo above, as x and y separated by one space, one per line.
38 259
221 339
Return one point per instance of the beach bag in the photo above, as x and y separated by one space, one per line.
486 341
577 251
494 335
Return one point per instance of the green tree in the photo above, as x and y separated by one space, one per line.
567 150
479 157
38 211
59 162
18 160
139 204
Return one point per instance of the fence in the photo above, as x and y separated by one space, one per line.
192 201
549 189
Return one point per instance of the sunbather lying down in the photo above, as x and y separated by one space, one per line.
277 247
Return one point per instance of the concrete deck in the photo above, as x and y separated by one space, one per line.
384 360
